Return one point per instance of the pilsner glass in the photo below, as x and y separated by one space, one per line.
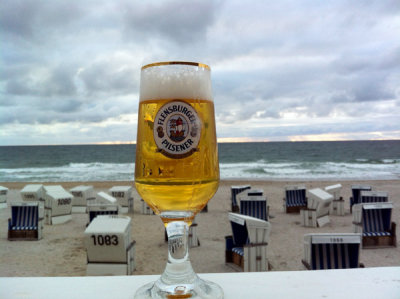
176 170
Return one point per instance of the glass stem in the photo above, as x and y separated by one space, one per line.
178 272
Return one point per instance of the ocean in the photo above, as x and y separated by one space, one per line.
336 160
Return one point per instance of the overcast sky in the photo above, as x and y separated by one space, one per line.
281 70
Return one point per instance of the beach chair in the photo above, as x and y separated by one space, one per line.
26 222
295 199
58 205
109 246
337 205
235 190
81 195
124 196
356 194
331 251
373 196
253 205
3 197
246 249
373 221
145 209
317 212
103 204
33 192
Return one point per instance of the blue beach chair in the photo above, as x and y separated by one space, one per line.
26 222
254 206
356 194
295 199
246 248
373 196
373 220
331 251
235 190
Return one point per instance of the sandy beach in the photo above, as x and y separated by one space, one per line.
61 251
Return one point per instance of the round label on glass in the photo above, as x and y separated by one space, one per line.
177 129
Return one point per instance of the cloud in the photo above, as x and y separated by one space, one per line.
279 69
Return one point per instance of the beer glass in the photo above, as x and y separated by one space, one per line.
176 170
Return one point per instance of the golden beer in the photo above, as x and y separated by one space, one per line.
176 183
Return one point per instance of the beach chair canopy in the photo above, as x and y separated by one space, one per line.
105 198
377 219
121 191
247 229
59 201
235 190
295 196
255 206
334 190
32 192
332 251
373 196
356 190
319 200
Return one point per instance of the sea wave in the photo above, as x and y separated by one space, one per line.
98 171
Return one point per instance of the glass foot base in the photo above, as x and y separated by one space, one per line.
199 289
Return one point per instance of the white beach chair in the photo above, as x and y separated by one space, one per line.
33 192
103 204
58 205
145 209
3 197
374 222
124 196
317 212
337 205
26 222
235 190
81 195
247 247
294 199
109 246
331 251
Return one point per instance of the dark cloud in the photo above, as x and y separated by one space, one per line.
177 21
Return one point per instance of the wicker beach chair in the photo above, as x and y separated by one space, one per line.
356 194
26 222
373 221
253 204
235 190
317 211
109 246
58 205
295 199
82 194
103 204
337 205
246 248
331 251
3 197
123 194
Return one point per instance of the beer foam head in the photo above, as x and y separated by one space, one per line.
175 80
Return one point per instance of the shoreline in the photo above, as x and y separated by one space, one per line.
62 252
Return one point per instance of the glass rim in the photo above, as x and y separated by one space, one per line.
202 65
